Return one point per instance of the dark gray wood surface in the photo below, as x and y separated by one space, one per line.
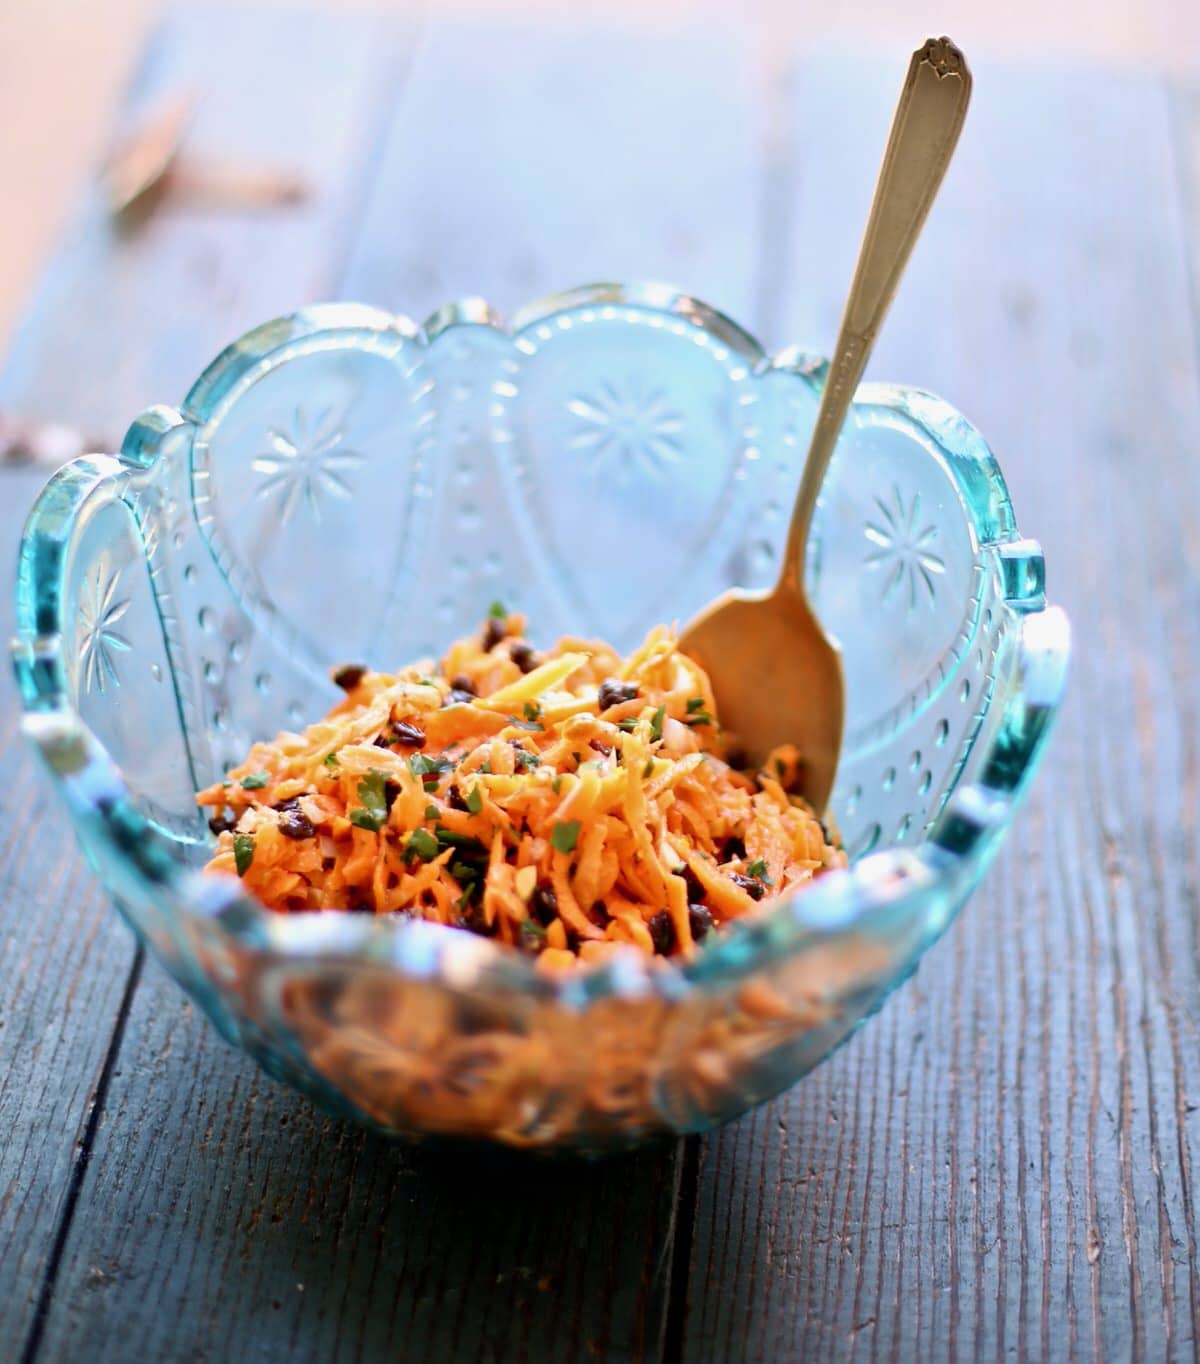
1005 1161
1002 1162
65 964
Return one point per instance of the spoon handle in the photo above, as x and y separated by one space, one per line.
923 136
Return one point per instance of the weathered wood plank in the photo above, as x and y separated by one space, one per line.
64 961
413 1254
124 319
222 1212
522 162
1004 1161
98 345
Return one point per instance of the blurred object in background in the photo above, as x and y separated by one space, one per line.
150 166
48 444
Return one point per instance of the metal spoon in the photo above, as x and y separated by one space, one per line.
776 675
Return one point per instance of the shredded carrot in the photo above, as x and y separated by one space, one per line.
557 801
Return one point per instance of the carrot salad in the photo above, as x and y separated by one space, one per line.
564 802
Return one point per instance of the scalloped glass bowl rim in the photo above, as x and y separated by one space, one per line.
840 904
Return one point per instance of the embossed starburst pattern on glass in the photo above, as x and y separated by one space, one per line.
627 428
306 465
902 551
99 641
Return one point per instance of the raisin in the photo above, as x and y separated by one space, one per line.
543 905
293 822
662 933
695 887
410 736
349 675
603 749
457 696
461 682
599 914
734 849
700 921
493 633
454 798
523 655
753 887
472 919
615 693
222 823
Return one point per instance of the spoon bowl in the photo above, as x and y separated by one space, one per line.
777 677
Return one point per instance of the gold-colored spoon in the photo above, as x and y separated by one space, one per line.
776 675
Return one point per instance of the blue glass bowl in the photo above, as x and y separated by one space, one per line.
340 485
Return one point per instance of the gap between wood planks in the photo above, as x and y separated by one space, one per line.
83 1151
676 1258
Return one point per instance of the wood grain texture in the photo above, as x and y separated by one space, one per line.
523 162
211 1193
68 965
224 1212
64 961
126 318
1003 1163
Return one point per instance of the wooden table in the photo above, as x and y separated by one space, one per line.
1002 1162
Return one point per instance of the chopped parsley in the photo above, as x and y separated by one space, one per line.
533 936
429 769
497 610
556 784
255 781
243 852
532 710
448 838
656 724
758 869
648 770
474 800
527 760
464 873
530 726
422 765
696 713
331 758
421 843
432 812
565 835
628 725
373 812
